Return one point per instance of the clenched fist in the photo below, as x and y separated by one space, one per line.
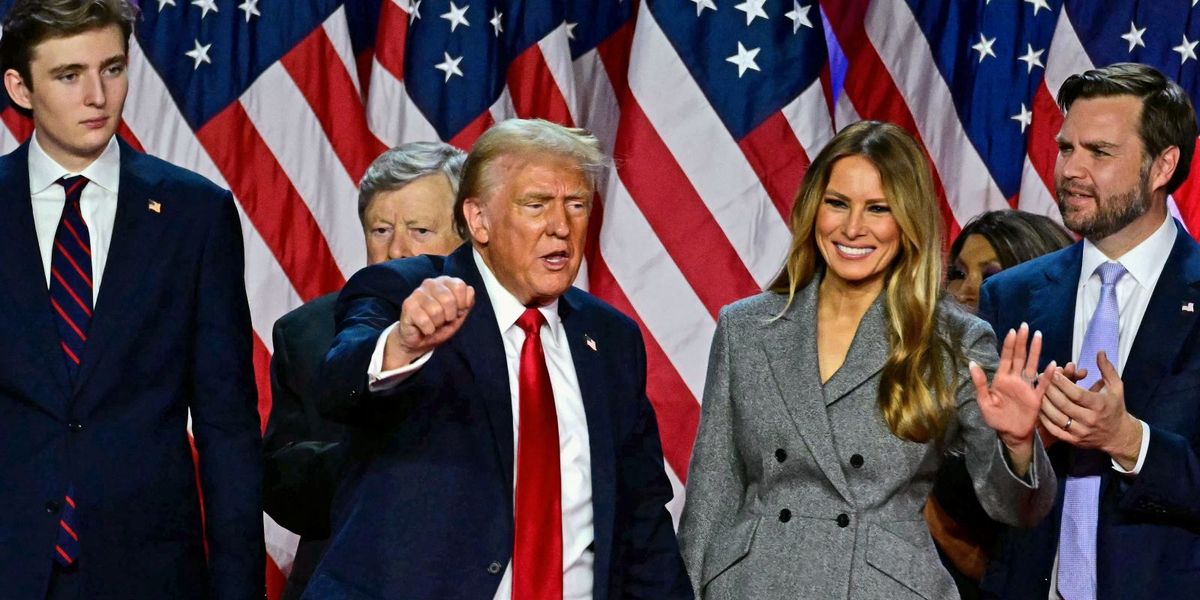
428 317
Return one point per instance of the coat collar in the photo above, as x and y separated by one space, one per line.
22 275
136 233
790 344
1167 322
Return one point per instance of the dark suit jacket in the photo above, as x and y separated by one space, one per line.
303 456
170 334
426 510
1148 542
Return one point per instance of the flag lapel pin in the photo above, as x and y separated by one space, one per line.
1189 307
587 339
154 207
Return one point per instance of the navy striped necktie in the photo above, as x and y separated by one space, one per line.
71 276
71 299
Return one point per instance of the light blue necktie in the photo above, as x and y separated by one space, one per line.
1081 499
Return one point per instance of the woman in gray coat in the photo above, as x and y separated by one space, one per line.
832 397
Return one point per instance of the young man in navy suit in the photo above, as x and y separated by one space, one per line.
1121 305
124 313
501 442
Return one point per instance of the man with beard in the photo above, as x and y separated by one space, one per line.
1123 421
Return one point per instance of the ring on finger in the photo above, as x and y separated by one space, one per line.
1067 425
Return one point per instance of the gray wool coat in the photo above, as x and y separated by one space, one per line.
799 490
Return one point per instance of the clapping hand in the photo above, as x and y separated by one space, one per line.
1011 404
1095 417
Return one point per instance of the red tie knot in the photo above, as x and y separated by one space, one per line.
531 321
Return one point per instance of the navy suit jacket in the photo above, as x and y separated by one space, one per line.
170 333
302 450
426 510
1148 541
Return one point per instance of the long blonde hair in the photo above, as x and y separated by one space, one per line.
915 398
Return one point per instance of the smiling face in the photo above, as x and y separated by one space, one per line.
415 219
1103 179
76 94
855 230
975 263
532 226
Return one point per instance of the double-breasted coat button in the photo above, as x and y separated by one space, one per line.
843 520
494 568
856 461
781 455
52 506
785 515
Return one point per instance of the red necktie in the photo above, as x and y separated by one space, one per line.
537 541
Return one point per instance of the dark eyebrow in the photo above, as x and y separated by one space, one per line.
1099 145
1090 145
113 60
108 62
64 69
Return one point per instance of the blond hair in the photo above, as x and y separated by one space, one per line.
915 398
528 137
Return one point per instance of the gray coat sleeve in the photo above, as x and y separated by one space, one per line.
1013 500
716 477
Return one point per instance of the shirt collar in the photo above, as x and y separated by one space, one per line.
105 171
1144 262
506 306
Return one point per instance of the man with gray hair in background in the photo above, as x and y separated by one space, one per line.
501 443
405 204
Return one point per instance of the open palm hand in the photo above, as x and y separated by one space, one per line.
1011 404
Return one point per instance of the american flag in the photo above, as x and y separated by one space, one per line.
711 108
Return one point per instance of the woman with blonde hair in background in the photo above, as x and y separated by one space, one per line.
832 396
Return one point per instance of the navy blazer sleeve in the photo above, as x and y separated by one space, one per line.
225 420
303 452
363 312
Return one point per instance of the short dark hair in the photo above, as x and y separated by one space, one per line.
1167 119
1015 235
31 22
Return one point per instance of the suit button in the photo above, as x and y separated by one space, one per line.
785 515
494 568
843 520
856 461
76 427
781 455
52 506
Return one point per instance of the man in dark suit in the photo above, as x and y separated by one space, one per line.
501 442
1122 305
124 312
406 205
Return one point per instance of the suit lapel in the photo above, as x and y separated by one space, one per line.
590 373
1052 306
1166 323
867 354
481 347
135 236
23 276
790 344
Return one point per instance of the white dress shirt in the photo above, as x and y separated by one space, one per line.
575 462
98 203
1143 265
